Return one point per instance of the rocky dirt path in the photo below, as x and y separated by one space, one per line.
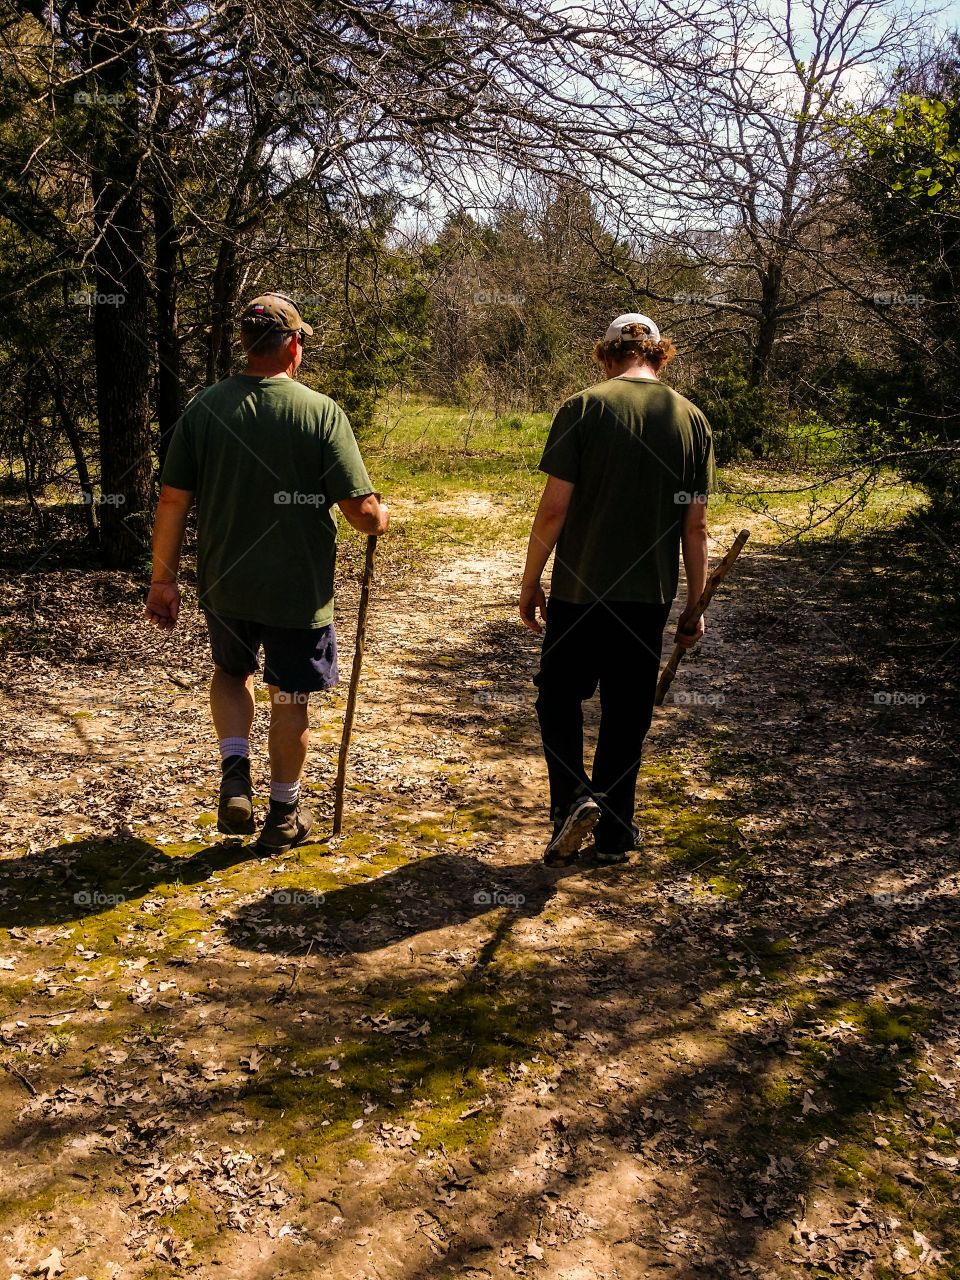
416 1054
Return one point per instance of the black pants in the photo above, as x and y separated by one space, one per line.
616 645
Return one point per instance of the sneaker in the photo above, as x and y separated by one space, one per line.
286 826
235 810
609 855
570 833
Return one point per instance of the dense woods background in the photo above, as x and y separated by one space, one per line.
460 196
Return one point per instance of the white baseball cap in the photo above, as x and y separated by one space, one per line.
615 330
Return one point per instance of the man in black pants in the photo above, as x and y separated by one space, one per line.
630 464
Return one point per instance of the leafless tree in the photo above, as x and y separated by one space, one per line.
751 188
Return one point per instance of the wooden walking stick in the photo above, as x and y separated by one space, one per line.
354 683
718 575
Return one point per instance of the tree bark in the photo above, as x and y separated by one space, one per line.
169 378
166 232
768 322
122 355
223 306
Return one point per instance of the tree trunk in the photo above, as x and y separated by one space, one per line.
769 323
166 234
122 361
120 324
169 378
223 306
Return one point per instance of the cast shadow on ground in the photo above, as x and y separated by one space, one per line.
85 878
433 893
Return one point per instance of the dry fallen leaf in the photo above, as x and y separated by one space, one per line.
51 1266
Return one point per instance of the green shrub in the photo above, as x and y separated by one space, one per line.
748 420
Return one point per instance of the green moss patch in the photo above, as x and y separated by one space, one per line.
701 836
428 1057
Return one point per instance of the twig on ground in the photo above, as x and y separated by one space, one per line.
8 1066
285 992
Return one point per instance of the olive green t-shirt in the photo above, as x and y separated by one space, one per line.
638 454
266 458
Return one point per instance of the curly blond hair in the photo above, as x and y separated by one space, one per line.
635 341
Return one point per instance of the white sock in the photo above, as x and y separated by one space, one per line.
234 747
285 792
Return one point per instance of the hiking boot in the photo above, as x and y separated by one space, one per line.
286 826
571 831
609 855
235 810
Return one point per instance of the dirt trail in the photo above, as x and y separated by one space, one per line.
415 1053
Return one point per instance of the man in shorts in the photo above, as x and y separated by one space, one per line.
630 464
266 459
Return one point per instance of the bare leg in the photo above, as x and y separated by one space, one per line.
289 734
231 704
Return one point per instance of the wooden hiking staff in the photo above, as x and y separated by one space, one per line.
354 685
718 575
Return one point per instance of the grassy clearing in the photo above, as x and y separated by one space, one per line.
426 444
469 478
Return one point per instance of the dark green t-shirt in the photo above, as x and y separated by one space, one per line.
638 454
267 458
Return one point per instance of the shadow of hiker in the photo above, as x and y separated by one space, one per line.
86 878
435 892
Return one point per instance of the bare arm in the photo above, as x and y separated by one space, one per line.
163 601
368 514
693 543
552 512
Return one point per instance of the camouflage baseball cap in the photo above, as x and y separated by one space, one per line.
279 309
